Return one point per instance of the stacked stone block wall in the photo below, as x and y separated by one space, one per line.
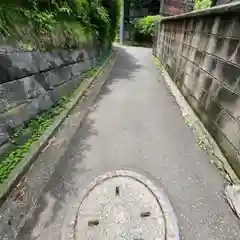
201 52
31 82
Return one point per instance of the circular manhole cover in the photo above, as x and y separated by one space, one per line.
126 206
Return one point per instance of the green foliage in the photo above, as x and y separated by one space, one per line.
143 29
34 29
101 23
38 24
114 12
146 25
37 126
201 4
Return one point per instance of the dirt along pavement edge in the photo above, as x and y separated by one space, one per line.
16 178
206 142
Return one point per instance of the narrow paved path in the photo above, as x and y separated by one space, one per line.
136 124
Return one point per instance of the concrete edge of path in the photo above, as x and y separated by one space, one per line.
15 176
207 142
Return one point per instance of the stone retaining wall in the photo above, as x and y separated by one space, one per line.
201 51
31 82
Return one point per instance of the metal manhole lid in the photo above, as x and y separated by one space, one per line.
125 205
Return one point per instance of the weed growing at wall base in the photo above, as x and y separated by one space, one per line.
37 126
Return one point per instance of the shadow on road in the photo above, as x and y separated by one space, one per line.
64 183
125 66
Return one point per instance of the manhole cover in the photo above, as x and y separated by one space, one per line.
124 206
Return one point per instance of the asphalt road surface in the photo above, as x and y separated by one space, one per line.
136 124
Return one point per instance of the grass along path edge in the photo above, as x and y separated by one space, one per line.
43 128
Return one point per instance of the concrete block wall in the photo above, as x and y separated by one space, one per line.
201 52
31 82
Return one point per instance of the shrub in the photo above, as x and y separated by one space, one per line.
42 29
201 4
146 25
100 21
38 24
144 29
